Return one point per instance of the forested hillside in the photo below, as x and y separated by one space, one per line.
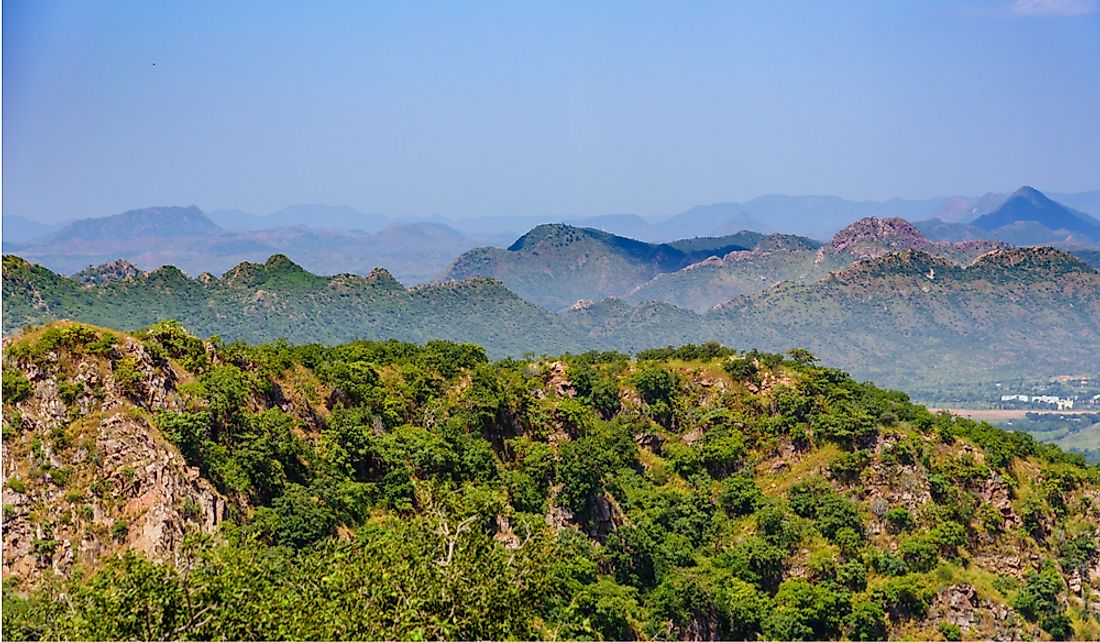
158 486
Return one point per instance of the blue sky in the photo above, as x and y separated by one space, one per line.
469 109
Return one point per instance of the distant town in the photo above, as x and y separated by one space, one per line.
1048 402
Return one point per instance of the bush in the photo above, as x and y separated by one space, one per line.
608 607
848 466
1038 601
815 499
119 530
127 375
919 552
740 368
16 388
296 518
949 631
739 495
804 611
899 519
867 621
904 597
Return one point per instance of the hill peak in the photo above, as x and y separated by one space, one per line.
150 222
282 262
117 270
1029 205
873 236
1046 259
382 278
277 271
557 234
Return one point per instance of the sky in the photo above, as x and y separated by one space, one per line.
463 109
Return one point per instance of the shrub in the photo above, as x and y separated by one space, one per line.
128 375
903 597
867 621
804 611
739 495
848 466
740 368
950 631
899 519
1038 601
919 552
119 530
16 388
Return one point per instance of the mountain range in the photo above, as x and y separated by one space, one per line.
187 238
907 319
332 239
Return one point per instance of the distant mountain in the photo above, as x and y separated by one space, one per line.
1028 205
1087 202
963 209
1091 257
556 265
150 222
313 215
778 258
19 229
628 225
708 220
190 240
905 319
1028 218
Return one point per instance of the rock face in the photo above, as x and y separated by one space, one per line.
86 474
960 605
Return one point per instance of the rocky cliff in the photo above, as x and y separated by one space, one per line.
86 473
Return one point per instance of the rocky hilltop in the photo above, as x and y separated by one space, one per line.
778 258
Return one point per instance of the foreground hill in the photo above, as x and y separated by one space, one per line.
910 320
387 490
706 284
557 265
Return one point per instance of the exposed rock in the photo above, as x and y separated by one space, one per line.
98 476
118 270
961 606
557 378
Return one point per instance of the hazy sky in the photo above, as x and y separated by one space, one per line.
540 108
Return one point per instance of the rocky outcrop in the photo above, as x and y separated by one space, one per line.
86 473
961 605
118 270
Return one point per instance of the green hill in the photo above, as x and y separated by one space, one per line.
158 486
